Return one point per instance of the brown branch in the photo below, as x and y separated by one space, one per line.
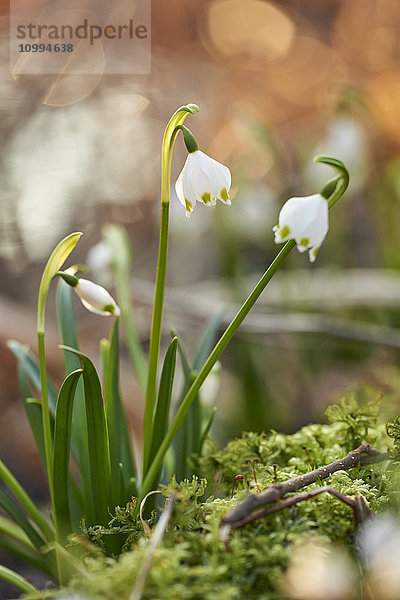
239 516
360 510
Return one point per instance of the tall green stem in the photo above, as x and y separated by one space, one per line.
48 440
170 134
56 260
210 362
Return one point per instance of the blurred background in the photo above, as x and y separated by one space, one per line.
277 82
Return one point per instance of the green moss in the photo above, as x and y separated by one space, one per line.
190 562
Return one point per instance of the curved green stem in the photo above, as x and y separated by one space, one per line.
210 362
336 187
170 134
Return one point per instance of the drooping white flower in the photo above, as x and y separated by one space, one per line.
305 220
96 299
202 179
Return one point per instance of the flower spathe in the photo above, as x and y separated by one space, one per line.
304 219
202 179
96 298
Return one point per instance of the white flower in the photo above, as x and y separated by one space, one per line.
96 299
202 179
305 220
319 571
379 545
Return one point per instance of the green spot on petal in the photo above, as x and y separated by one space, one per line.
110 308
304 242
206 197
314 251
224 195
284 231
189 207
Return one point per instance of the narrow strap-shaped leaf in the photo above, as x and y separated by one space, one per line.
19 517
118 429
69 337
20 494
17 580
33 410
187 371
26 553
31 366
62 447
98 442
161 414
182 442
14 531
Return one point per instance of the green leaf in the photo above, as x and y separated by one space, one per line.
30 507
79 442
98 442
62 446
56 260
19 517
29 364
14 531
187 371
118 429
190 437
161 413
14 540
25 553
17 580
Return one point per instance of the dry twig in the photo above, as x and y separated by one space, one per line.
243 513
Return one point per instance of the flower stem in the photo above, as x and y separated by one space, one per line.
171 131
210 362
156 327
48 440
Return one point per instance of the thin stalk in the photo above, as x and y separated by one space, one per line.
169 138
156 327
210 362
48 441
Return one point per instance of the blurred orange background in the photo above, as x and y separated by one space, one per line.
277 82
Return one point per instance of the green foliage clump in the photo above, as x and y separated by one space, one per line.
358 413
191 563
393 431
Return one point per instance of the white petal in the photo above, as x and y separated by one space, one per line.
218 174
95 298
202 179
306 220
201 182
184 188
